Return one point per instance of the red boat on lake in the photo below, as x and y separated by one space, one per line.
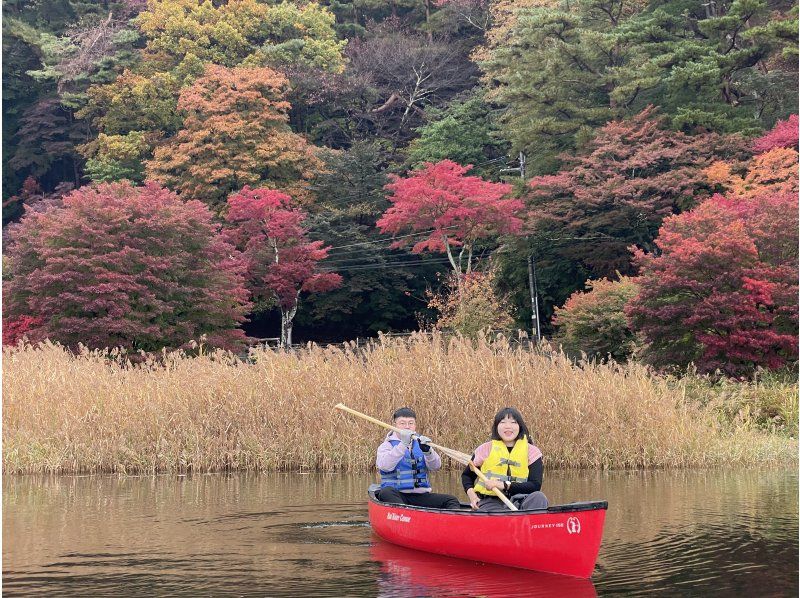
563 539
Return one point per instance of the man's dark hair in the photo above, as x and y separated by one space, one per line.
404 412
501 415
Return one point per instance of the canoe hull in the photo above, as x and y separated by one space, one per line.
564 539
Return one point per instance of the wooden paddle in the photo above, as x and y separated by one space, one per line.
462 458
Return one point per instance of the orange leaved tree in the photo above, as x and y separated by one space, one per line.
235 133
773 168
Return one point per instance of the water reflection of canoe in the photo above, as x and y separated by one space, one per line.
410 573
563 539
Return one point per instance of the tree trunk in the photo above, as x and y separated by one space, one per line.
428 20
286 330
287 317
450 257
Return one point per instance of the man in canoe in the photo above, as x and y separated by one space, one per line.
404 461
512 464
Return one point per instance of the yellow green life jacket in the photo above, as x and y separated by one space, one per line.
505 466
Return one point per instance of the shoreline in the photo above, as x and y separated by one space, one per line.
732 468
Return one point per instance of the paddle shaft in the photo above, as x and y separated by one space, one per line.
462 458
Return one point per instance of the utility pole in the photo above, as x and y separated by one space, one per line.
520 169
536 327
533 286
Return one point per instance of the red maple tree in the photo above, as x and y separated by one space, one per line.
123 266
634 174
783 134
455 209
281 262
723 291
15 329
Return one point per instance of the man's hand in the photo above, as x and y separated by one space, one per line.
473 499
424 444
406 437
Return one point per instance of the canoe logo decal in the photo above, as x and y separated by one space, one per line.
573 525
397 517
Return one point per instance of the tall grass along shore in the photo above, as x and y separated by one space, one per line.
91 412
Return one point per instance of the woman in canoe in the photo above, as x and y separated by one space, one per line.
510 462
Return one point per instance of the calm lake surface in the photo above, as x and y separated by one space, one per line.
710 533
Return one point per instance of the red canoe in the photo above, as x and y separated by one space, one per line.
563 539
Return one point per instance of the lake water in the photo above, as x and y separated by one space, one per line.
709 533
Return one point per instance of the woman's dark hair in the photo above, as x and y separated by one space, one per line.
404 412
502 414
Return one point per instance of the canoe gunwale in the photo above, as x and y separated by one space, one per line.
565 508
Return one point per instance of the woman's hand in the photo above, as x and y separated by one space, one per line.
473 499
494 485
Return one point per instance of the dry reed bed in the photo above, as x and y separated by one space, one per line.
84 413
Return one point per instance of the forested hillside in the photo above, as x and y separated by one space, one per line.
346 166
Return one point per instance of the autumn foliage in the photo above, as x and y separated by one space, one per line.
456 208
634 174
123 266
281 261
772 170
235 133
783 134
15 329
594 322
471 305
185 33
723 291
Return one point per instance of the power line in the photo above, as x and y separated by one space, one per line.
372 252
392 239
376 248
500 159
362 257
600 236
365 253
333 254
397 265
339 260
383 265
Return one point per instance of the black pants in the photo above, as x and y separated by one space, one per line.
432 500
524 502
